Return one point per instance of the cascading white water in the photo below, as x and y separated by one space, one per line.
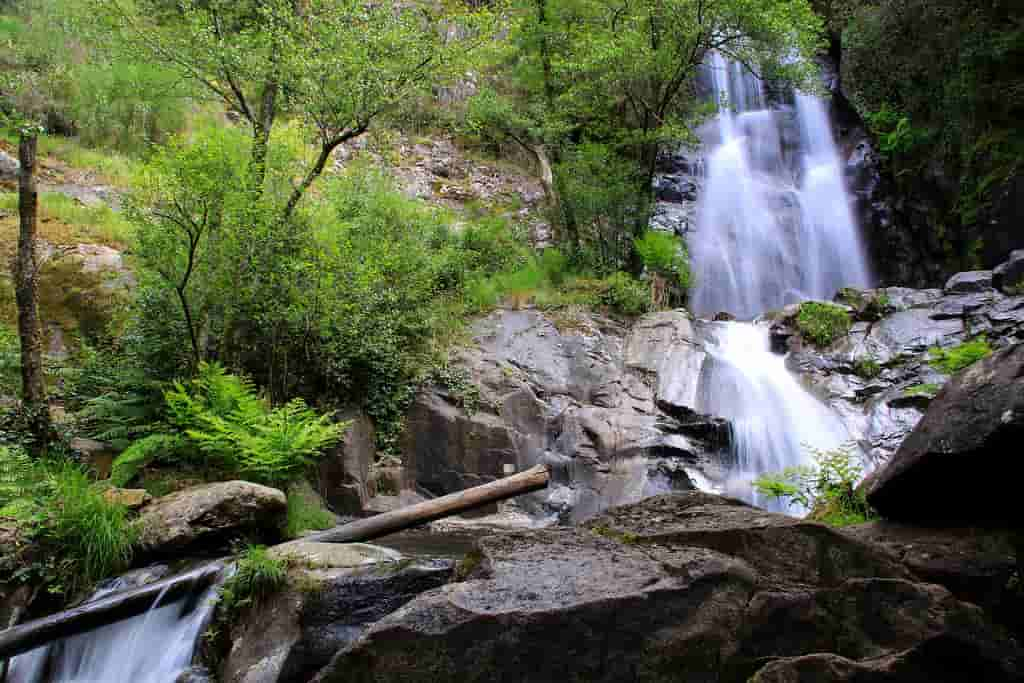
774 227
775 422
155 647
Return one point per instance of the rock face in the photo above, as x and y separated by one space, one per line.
609 407
878 377
333 594
9 167
1008 277
208 518
344 471
971 434
683 587
977 565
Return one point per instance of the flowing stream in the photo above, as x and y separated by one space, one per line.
774 227
154 647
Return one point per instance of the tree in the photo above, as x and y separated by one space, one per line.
26 269
335 64
620 74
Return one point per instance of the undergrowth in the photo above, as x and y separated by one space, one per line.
952 361
822 323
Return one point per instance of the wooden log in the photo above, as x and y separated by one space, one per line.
92 615
533 479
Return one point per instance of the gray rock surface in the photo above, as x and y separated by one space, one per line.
1008 277
969 282
332 596
9 167
580 392
683 587
344 471
963 447
210 517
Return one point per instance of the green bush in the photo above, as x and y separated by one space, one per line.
867 367
664 254
828 489
952 361
626 295
823 323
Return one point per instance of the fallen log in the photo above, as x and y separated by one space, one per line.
368 529
93 615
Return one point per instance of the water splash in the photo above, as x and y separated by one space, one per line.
154 647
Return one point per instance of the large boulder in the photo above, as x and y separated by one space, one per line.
977 565
953 465
333 593
970 282
1009 276
210 517
682 587
344 471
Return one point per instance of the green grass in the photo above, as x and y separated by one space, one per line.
64 220
258 575
952 361
306 513
822 323
105 165
87 528
928 390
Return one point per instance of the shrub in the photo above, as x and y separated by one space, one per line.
664 254
828 489
822 323
626 295
952 361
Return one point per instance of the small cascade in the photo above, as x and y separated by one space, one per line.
775 421
775 225
774 228
154 647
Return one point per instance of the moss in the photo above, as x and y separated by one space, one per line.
467 565
929 390
624 537
951 361
822 323
867 368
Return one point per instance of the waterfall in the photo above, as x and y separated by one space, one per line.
774 420
154 647
774 227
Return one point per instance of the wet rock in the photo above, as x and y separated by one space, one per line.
969 282
1008 277
972 429
210 517
332 596
344 471
686 587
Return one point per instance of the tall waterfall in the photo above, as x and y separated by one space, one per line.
774 227
154 647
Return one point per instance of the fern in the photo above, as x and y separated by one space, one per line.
19 475
141 453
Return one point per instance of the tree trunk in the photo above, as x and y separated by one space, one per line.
26 268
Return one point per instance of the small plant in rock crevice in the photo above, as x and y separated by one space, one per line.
822 323
828 488
867 367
